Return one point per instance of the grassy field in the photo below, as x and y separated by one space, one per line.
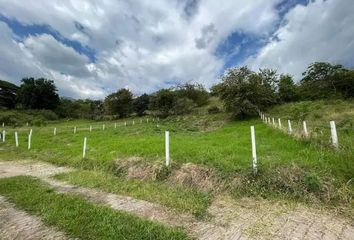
77 217
318 114
300 169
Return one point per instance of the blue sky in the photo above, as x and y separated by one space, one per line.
91 49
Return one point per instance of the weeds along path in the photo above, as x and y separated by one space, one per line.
230 219
16 224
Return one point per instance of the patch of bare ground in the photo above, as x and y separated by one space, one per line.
230 219
16 224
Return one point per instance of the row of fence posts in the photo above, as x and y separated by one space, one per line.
167 144
3 138
332 124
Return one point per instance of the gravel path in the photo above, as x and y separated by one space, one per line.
243 219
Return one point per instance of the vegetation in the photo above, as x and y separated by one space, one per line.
201 135
288 167
22 117
80 109
141 104
244 94
38 94
247 93
8 94
79 218
119 103
181 199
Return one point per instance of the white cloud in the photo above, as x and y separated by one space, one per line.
146 45
56 56
320 31
14 63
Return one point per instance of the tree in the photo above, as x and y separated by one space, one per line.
245 92
163 102
38 94
287 89
344 83
195 92
183 106
215 90
90 109
8 94
319 81
119 103
141 104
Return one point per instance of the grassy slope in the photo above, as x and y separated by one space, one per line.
318 114
287 165
79 218
226 149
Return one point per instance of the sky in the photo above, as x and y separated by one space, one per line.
92 48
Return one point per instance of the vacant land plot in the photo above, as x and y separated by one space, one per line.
210 158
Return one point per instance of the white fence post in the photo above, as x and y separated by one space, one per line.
279 123
289 127
334 134
103 127
125 123
30 131
147 120
16 139
3 124
167 147
55 131
84 148
29 141
3 135
27 124
133 122
268 120
74 129
306 133
254 154
115 125
273 121
90 128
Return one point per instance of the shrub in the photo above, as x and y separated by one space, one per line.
213 110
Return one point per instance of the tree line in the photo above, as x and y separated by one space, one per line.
243 92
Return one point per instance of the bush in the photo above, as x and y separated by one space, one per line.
194 92
183 106
21 117
213 110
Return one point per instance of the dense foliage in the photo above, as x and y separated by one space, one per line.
141 104
38 94
8 94
119 103
245 92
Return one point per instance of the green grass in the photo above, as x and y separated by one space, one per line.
79 218
227 149
182 199
205 140
318 114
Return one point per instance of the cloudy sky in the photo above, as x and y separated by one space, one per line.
92 48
